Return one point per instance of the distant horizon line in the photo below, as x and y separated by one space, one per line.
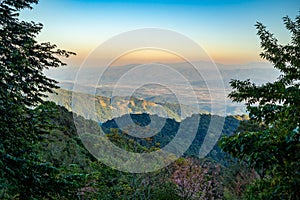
177 63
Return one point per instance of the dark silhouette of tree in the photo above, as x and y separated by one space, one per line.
271 141
22 87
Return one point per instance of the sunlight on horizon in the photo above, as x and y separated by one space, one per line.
224 29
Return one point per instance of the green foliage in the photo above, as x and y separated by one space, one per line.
22 86
62 148
23 59
169 131
270 142
41 155
23 173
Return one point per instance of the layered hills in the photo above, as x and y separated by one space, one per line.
107 108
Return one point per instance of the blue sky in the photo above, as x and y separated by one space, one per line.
224 28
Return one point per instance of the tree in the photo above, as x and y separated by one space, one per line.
271 141
22 87
194 181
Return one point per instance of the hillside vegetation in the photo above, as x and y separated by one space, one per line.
61 148
108 108
43 146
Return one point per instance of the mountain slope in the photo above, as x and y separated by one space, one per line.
170 128
108 108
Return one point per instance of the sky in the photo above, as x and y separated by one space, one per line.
223 28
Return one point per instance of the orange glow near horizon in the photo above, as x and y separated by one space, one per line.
147 56
160 56
224 29
235 59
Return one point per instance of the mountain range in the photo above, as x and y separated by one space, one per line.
131 97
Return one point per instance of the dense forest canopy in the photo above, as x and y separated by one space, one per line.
43 157
23 174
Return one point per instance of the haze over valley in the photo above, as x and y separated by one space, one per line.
159 94
149 100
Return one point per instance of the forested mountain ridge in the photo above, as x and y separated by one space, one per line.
62 148
42 149
107 108
169 130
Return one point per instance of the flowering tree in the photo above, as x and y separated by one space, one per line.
193 180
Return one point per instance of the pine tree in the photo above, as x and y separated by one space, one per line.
22 87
